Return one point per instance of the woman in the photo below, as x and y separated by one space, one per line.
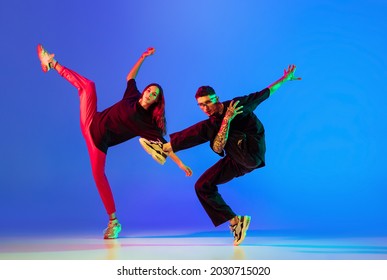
137 114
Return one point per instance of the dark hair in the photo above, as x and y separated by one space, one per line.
158 109
204 91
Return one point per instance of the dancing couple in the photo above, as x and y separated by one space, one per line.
232 128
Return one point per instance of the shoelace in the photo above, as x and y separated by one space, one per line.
233 229
46 57
157 142
110 227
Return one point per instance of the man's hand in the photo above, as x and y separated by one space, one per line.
233 110
289 73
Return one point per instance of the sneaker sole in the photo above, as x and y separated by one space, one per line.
246 224
155 155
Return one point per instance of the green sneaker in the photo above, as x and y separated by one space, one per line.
112 230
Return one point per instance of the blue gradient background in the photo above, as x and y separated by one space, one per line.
326 135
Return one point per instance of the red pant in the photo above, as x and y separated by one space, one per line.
88 108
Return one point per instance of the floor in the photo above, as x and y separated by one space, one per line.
192 246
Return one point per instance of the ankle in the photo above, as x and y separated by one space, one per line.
112 217
53 64
234 221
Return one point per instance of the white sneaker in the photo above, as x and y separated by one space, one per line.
239 230
155 149
46 59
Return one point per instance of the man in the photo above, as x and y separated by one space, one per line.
236 134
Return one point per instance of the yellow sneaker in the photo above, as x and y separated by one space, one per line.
239 230
46 59
155 149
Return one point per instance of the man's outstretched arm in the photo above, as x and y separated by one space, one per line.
288 76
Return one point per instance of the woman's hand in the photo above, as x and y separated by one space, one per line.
133 72
148 52
168 149
186 169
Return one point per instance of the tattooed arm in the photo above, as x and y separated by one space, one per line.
222 136
288 76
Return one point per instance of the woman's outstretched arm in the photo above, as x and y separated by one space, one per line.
133 72
182 166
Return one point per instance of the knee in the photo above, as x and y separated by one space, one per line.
85 85
200 186
253 162
203 186
89 85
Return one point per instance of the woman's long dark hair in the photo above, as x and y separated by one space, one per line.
158 110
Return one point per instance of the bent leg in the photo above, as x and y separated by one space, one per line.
207 190
249 157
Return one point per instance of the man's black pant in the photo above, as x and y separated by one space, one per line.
236 163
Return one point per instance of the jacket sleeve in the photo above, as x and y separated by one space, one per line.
131 90
192 136
250 102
